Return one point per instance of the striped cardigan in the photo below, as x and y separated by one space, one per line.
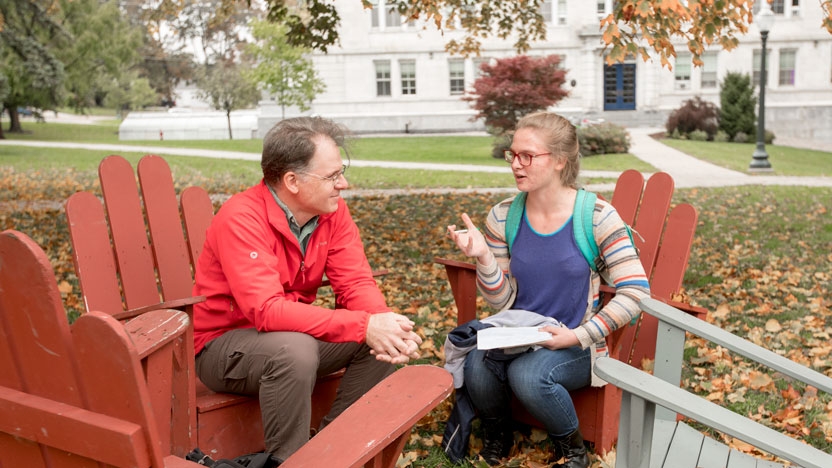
624 271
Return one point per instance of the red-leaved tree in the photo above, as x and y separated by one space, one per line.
514 87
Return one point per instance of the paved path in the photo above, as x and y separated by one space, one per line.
687 171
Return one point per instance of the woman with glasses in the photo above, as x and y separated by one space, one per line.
544 272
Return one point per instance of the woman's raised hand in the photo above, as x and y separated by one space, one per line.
469 240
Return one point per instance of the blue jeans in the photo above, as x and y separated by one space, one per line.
540 380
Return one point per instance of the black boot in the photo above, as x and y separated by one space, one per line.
497 440
573 449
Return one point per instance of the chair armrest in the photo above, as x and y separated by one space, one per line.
455 263
657 391
153 330
178 304
377 426
667 315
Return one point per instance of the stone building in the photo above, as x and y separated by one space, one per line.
393 75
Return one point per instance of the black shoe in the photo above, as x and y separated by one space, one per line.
497 441
573 449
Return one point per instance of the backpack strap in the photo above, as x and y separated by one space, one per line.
583 229
581 221
515 215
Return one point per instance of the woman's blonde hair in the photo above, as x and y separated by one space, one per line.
561 140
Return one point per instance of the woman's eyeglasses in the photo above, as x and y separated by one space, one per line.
525 158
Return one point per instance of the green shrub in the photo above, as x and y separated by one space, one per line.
675 134
740 137
603 138
736 98
698 135
769 137
694 114
721 136
500 145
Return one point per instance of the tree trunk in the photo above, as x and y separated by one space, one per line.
14 121
228 117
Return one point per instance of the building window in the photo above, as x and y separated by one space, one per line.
456 73
555 11
682 69
385 14
407 69
755 76
546 11
708 77
787 57
382 77
787 8
478 62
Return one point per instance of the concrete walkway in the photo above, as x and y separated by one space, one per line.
687 171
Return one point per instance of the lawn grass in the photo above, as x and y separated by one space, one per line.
205 171
784 160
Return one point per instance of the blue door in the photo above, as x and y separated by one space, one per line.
620 86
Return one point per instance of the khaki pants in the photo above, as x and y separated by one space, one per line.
281 367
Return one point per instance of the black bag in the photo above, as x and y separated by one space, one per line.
251 460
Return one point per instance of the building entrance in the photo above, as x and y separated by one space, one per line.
620 86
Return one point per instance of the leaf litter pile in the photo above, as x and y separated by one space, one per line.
761 264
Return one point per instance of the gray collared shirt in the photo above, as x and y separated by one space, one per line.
302 233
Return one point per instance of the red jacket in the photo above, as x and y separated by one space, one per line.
253 273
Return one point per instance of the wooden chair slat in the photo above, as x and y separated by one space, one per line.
672 258
68 428
173 259
651 217
92 252
737 459
713 455
39 338
626 196
105 350
129 235
669 272
684 448
197 213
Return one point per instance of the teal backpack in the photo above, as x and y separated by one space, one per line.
581 222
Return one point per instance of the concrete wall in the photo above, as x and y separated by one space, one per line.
182 124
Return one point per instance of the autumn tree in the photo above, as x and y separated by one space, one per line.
634 28
514 87
52 51
225 87
284 71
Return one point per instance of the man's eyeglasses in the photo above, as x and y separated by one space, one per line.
332 179
525 158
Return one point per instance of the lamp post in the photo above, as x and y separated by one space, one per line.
759 162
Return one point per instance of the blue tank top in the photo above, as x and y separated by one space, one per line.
552 275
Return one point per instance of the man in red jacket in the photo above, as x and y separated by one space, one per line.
265 255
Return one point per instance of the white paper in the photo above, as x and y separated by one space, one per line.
509 337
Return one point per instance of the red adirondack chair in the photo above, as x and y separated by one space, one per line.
120 268
664 242
74 397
